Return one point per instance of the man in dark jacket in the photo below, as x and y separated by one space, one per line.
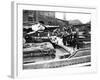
75 41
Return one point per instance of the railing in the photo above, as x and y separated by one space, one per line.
59 63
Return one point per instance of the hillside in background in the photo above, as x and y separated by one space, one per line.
75 22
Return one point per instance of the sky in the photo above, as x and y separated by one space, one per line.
84 18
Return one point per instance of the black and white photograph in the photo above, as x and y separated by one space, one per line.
56 39
49 40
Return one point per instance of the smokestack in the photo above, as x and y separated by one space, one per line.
64 16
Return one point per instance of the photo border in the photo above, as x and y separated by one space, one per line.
17 70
